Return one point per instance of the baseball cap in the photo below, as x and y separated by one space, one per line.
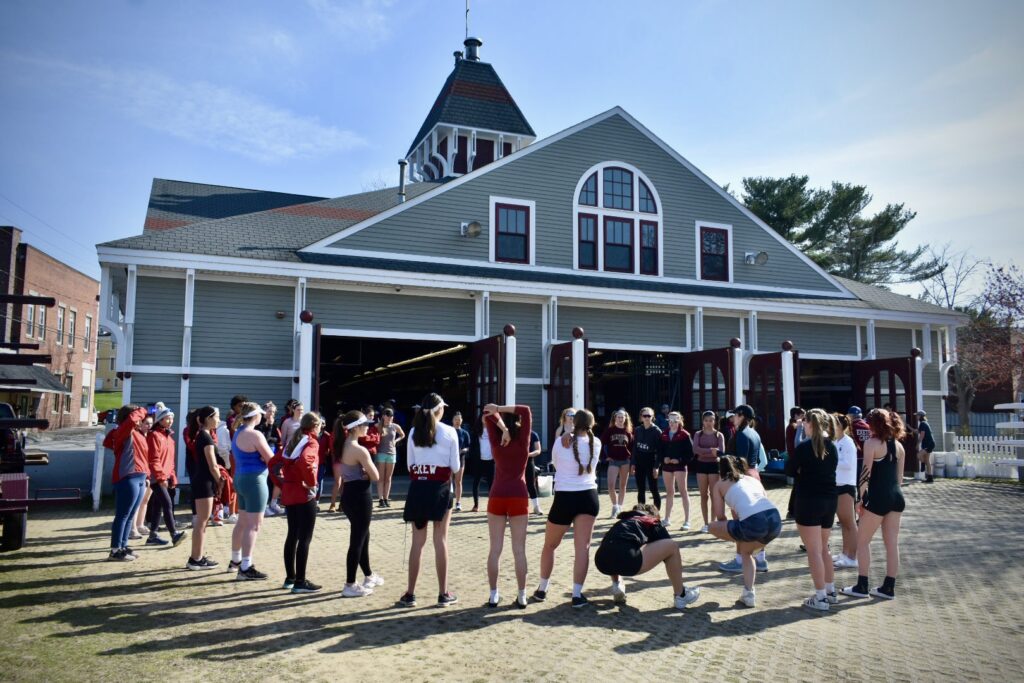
855 411
744 410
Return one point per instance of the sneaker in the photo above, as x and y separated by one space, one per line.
200 564
387 502
615 511
445 599
761 565
579 601
130 553
748 598
269 512
732 567
882 593
493 603
854 591
306 586
844 562
231 519
667 522
704 529
619 593
407 600
216 522
519 605
815 604
250 574
686 526
177 538
134 535
688 597
832 598
929 479
372 581
539 595
288 584
119 555
458 506
234 566
356 590
156 540
276 508
143 529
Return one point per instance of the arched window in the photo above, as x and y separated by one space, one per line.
618 221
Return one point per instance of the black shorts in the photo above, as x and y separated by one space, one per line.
701 467
762 527
427 501
618 557
568 504
815 511
848 489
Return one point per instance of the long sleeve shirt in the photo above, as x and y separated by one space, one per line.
618 444
510 459
131 450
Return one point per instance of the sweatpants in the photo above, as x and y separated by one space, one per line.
645 479
357 504
301 520
531 478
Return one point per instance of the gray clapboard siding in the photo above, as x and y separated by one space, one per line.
217 390
719 331
530 395
807 337
150 388
892 342
389 312
933 406
548 176
617 324
234 325
530 346
159 321
931 377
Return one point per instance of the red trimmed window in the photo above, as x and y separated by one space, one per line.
618 244
714 254
648 248
588 240
511 233
588 193
618 189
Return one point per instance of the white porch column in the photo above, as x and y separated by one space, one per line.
510 364
186 363
788 378
579 369
306 364
871 340
736 349
752 324
698 329
926 343
918 377
129 333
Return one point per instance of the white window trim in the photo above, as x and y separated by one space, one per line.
87 333
72 327
61 325
635 215
492 227
719 226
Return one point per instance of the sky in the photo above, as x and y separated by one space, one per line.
922 102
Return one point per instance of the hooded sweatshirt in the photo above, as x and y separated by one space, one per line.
131 451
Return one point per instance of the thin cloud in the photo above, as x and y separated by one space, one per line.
355 20
207 114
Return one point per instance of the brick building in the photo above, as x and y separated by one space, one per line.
67 331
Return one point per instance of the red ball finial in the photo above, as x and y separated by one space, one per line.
577 333
306 316
787 345
509 330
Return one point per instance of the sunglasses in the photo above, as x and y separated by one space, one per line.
647 416
568 415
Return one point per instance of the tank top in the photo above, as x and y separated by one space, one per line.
246 462
883 473
747 498
351 472
387 440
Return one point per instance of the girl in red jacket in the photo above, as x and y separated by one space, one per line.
162 479
298 481
131 467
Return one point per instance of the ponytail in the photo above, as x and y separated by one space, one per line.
424 425
583 423
310 421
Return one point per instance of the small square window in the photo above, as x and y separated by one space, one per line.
588 194
618 189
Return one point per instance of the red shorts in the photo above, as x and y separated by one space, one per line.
508 506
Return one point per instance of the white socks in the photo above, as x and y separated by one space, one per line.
521 597
494 596
577 590
246 563
830 588
760 557
543 585
236 555
819 595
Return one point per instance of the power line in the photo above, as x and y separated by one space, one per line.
61 232
67 252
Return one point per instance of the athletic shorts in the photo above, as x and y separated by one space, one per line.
427 501
386 458
252 492
762 527
618 557
508 506
848 489
568 504
701 467
674 467
815 511
618 463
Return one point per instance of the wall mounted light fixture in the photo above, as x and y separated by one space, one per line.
470 228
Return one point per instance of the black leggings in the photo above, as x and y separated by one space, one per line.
484 469
645 479
357 504
160 502
531 478
301 520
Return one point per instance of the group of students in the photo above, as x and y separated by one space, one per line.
288 465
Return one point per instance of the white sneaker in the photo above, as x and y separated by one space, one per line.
748 598
269 512
704 529
619 593
815 604
686 525
667 522
276 507
688 597
832 598
458 507
615 511
231 519
844 562
356 590
372 581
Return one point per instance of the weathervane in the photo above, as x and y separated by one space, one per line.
467 19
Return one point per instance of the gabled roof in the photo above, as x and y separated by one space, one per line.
474 97
174 203
273 234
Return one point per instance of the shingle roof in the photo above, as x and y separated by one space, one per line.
46 381
877 298
474 96
174 203
273 234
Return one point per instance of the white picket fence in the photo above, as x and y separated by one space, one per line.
981 451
